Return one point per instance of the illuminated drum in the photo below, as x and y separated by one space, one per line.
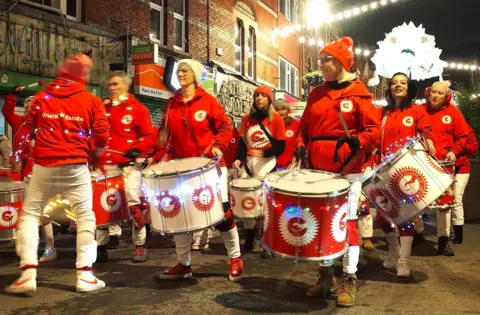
11 200
246 197
447 200
306 214
184 195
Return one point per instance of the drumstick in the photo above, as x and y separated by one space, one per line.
41 83
115 151
344 123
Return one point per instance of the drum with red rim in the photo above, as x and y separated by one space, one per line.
185 195
246 197
11 199
447 200
306 214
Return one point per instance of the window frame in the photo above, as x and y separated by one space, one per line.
177 16
161 31
251 52
291 71
291 10
61 10
239 23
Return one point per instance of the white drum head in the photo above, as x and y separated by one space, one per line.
246 183
177 166
308 182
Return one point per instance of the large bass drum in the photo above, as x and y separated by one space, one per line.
11 200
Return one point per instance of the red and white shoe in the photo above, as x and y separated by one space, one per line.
236 269
87 282
25 284
178 271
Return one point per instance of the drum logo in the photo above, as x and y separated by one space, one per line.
346 106
298 227
248 203
8 216
203 198
233 140
385 202
338 226
168 204
446 119
409 183
408 121
127 119
200 115
434 164
257 138
289 133
111 200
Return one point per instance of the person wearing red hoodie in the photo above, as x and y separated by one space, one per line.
462 175
63 116
291 126
21 158
334 149
131 138
451 133
400 120
195 124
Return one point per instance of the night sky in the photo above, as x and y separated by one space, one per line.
455 25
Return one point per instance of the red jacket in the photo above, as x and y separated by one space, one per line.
158 151
232 148
463 160
21 134
130 128
206 120
450 130
64 115
285 159
254 135
321 118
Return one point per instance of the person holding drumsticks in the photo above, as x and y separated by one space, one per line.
262 141
338 125
291 126
194 124
451 133
21 159
400 120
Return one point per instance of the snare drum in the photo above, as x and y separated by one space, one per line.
447 200
11 200
184 195
406 183
306 214
57 211
246 198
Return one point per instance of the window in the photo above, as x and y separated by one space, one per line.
156 20
288 77
239 46
251 53
289 9
71 8
179 25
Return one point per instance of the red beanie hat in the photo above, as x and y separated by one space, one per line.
342 50
265 90
76 67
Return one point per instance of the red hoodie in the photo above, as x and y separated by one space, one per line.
206 120
232 148
321 118
463 160
285 159
450 130
158 151
130 128
64 115
21 134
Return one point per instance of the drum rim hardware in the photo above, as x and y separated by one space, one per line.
231 184
299 258
210 164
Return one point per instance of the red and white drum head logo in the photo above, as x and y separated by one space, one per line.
338 226
346 106
298 226
257 138
434 164
200 115
409 183
111 200
8 216
248 203
447 119
168 204
408 121
289 133
127 119
385 202
204 198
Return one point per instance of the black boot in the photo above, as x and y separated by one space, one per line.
444 248
425 217
113 242
417 239
458 234
102 254
250 235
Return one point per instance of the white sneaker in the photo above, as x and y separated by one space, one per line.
49 255
87 282
403 269
391 262
25 284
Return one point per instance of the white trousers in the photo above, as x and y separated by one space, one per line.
444 221
73 182
461 181
115 230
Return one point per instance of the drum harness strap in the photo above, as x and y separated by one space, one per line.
340 142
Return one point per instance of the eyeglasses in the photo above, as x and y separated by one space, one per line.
183 71
326 59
